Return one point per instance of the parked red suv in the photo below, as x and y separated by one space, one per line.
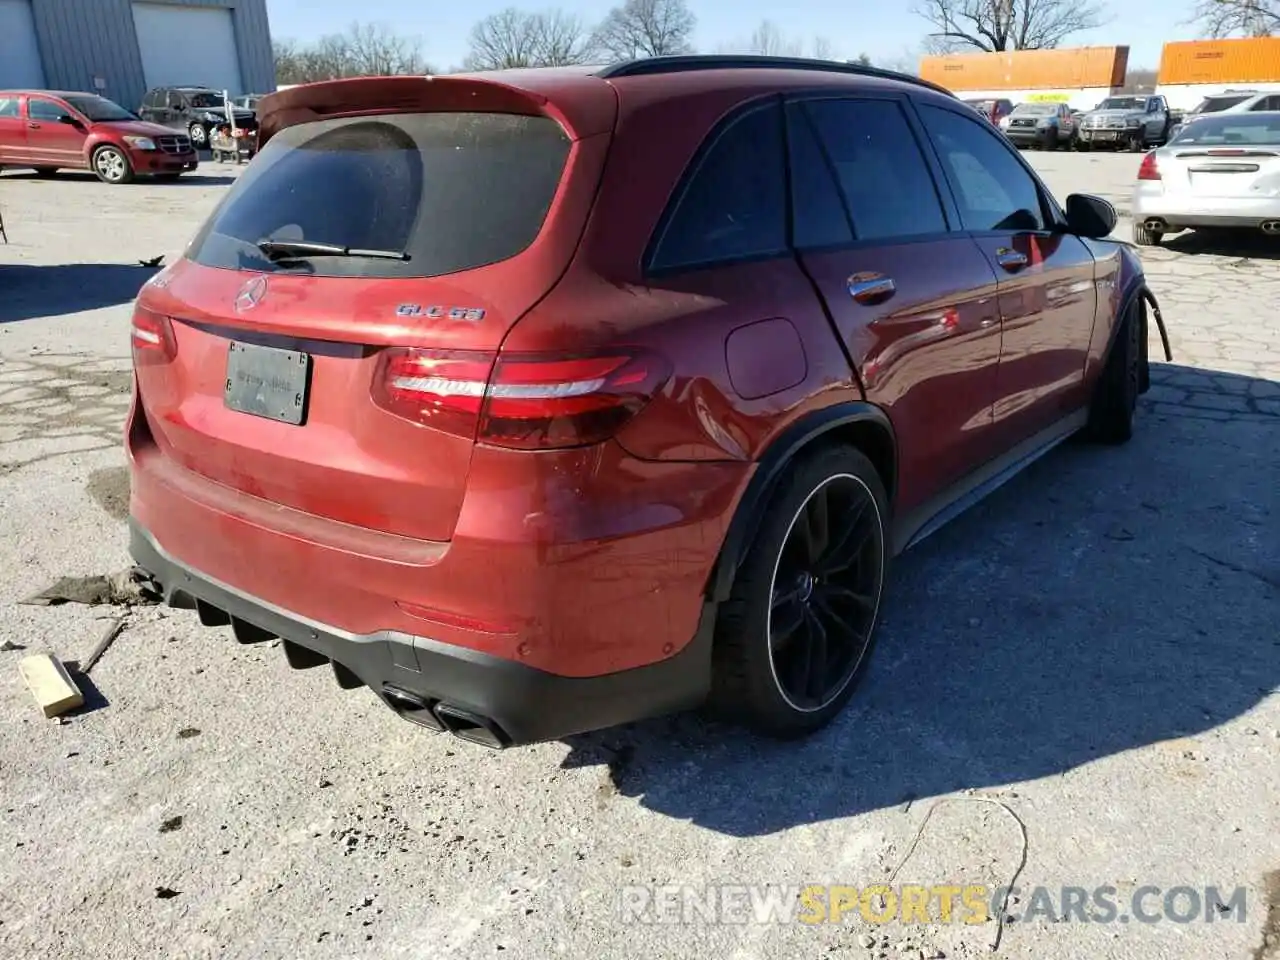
49 131
544 400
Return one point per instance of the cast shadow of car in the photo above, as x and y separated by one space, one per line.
1245 244
84 176
1105 600
29 292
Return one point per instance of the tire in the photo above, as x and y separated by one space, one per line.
46 172
1115 398
1051 142
1083 145
112 166
1137 143
1145 237
199 136
755 663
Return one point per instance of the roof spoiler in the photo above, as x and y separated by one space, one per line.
360 96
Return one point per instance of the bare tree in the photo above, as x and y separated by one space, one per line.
908 61
863 60
767 40
364 50
646 28
822 49
995 25
519 38
373 50
1140 80
1225 18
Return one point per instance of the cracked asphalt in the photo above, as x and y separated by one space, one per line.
1096 646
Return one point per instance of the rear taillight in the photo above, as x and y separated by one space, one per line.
524 401
152 337
1149 170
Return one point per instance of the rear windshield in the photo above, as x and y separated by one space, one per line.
100 109
1232 129
453 191
1123 103
1216 104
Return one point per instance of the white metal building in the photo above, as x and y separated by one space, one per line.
122 48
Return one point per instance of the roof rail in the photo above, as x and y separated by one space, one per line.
680 64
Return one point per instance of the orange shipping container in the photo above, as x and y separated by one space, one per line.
1067 69
1249 60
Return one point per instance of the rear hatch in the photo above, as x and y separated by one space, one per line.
1225 156
321 342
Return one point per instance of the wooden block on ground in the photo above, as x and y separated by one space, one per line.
50 684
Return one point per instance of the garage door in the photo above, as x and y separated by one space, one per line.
19 54
187 46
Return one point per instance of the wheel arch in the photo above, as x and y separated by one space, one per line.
858 423
1133 299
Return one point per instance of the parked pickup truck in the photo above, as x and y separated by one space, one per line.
1135 122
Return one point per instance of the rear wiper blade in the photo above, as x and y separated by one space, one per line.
277 250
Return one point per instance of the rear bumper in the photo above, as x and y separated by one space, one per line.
1182 211
480 697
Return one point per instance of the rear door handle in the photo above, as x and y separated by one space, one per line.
1011 260
871 287
33 125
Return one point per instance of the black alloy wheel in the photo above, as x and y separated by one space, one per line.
826 592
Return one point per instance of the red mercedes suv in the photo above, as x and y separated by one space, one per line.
544 400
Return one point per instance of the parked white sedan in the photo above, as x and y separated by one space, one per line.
1221 171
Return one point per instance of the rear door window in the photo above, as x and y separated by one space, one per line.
453 191
819 217
8 106
992 188
733 206
877 162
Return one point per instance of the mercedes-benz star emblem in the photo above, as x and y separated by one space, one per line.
251 294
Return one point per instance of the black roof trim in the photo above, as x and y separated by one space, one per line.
680 64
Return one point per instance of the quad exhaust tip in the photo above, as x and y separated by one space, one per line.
471 727
440 716
1271 227
1154 224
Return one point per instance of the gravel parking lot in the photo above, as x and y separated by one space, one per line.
1097 647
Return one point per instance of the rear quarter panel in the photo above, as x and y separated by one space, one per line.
1117 269
692 316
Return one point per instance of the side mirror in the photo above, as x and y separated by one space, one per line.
69 120
1090 216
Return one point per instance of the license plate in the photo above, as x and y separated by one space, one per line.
267 382
1104 135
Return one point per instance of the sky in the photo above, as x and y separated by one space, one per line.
885 30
